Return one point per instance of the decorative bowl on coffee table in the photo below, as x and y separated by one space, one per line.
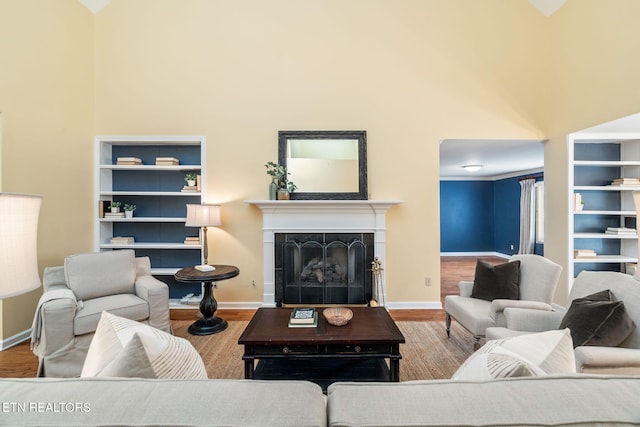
337 316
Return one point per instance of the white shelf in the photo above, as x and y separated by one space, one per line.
148 245
143 219
622 213
176 304
146 168
610 163
604 236
606 188
165 271
605 259
150 193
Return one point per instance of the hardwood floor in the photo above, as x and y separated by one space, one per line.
20 362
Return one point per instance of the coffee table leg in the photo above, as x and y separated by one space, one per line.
394 370
248 369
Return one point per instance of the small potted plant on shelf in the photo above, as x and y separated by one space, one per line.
128 210
115 207
280 187
191 179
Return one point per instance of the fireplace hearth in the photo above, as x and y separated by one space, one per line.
323 268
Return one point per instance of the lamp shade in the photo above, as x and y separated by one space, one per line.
18 243
203 216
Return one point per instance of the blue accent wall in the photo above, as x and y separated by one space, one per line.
466 216
481 216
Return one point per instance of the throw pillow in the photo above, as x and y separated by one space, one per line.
599 320
125 348
500 281
538 354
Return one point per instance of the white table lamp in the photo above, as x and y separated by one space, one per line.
204 216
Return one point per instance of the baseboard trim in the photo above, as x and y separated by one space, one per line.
414 305
15 339
454 254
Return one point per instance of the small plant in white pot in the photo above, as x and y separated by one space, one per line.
128 210
115 207
191 179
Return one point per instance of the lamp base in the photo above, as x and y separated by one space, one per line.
204 267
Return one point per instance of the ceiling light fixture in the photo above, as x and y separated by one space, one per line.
472 168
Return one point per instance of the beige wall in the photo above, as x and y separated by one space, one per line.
46 102
593 47
410 73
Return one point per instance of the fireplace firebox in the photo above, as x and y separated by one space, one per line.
323 268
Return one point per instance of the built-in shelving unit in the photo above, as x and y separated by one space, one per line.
158 224
597 157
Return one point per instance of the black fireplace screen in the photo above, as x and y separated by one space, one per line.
323 268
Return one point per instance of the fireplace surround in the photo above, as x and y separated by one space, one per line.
319 216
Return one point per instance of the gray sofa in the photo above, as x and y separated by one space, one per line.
622 360
578 400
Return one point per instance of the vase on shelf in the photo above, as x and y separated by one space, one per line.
273 190
283 194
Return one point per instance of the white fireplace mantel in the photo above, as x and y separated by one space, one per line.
299 216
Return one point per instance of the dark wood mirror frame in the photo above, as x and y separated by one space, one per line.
360 136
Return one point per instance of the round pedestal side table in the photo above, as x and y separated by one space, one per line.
209 324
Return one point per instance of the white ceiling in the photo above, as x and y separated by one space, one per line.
499 158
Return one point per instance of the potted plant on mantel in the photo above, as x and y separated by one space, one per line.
280 187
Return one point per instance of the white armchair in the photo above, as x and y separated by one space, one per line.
75 296
537 284
621 360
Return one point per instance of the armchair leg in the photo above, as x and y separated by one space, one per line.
447 321
476 342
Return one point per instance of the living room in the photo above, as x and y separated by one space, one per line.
410 73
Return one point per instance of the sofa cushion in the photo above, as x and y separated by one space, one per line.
499 281
598 319
94 275
124 348
543 353
570 400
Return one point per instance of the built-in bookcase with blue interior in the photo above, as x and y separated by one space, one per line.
604 171
151 175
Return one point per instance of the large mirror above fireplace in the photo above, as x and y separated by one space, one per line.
325 165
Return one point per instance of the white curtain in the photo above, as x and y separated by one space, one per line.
527 219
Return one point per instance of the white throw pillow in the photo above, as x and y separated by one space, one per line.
125 348
538 354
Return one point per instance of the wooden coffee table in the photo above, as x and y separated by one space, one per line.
326 353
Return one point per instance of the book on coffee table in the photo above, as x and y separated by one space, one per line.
303 317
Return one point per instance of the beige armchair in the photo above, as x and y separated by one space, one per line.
621 360
537 284
76 294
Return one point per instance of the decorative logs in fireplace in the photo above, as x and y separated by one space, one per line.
323 268
319 270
